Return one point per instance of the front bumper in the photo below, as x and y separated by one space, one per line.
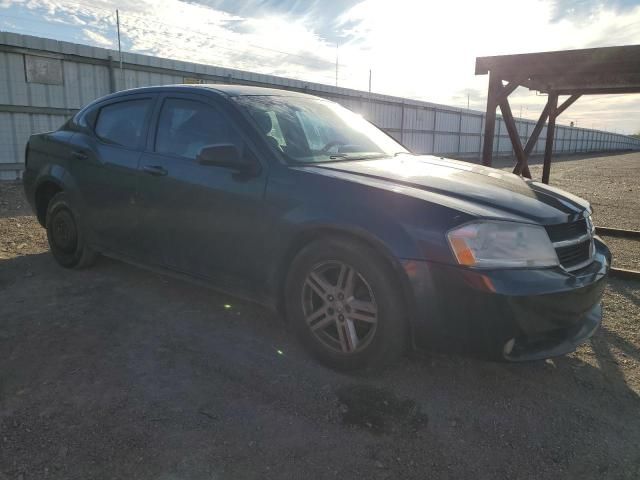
515 315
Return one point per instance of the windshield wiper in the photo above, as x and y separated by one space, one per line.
342 157
345 157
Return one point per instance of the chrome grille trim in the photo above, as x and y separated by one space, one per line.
572 241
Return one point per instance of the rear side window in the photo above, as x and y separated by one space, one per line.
185 126
122 123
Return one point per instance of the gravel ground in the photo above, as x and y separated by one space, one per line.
115 372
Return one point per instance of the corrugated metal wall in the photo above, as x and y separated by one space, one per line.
89 72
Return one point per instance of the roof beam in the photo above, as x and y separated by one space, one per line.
567 103
588 72
625 58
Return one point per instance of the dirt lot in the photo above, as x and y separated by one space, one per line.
115 372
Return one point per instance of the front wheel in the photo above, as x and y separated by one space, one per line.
344 303
66 239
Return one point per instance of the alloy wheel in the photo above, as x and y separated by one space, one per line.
339 307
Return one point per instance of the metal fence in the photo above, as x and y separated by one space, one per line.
44 81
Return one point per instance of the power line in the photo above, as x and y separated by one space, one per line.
208 35
119 45
40 21
84 5
190 31
107 18
228 62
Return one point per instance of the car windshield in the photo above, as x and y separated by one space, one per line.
312 130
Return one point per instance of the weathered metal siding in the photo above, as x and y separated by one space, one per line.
89 73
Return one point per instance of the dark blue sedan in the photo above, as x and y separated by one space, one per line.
298 203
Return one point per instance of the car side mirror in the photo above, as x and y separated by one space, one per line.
227 156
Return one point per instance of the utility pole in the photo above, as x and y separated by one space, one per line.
119 48
467 101
369 80
336 64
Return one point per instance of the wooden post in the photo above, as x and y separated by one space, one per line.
512 129
552 102
495 86
533 139
523 168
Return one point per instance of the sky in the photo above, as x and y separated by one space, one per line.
419 49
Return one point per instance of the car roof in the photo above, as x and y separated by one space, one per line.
244 90
220 89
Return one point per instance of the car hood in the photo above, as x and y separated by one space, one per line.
466 184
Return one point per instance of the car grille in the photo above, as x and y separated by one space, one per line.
567 231
573 243
574 255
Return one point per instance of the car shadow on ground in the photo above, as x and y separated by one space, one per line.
117 362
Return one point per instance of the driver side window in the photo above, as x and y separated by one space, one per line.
185 126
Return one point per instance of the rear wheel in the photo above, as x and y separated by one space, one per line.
344 304
66 239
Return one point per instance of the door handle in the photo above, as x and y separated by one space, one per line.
79 155
155 170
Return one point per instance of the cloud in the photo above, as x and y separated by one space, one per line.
431 53
423 50
210 36
581 10
320 16
97 39
622 31
188 31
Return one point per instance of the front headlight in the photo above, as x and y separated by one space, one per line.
496 244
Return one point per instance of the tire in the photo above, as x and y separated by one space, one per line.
345 305
66 238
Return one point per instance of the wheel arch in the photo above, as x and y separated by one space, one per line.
44 192
313 233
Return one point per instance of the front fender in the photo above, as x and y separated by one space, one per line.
409 227
374 228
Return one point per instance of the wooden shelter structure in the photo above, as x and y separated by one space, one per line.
592 71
